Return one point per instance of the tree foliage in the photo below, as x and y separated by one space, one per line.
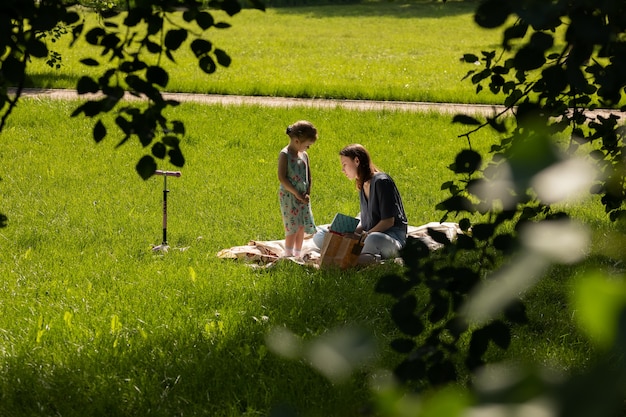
557 63
129 45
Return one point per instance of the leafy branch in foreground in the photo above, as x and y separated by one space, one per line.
453 305
147 33
131 46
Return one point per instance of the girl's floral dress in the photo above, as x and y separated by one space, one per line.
295 213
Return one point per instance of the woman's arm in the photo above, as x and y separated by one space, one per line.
284 180
383 225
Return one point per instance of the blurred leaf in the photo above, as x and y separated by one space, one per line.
99 131
598 301
90 62
492 13
146 167
403 345
174 38
403 314
204 20
159 150
441 373
470 58
456 203
207 64
467 161
483 231
465 119
439 237
13 69
176 157
222 57
87 85
37 48
393 285
201 47
411 369
516 312
157 75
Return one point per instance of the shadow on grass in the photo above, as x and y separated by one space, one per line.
195 372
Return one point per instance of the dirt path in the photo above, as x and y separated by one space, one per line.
287 102
451 108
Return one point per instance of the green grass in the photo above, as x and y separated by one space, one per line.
381 50
92 322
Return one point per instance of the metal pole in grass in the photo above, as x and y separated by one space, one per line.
164 246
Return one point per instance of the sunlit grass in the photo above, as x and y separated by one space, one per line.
92 322
384 50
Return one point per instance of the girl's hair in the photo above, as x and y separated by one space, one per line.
302 130
366 168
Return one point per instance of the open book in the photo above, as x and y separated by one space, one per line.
343 224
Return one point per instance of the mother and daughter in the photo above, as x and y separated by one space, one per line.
383 223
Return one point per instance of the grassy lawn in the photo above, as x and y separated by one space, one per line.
92 322
95 323
383 50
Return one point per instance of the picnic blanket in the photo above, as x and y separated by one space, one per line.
267 253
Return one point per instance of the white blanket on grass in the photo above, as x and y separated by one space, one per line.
266 253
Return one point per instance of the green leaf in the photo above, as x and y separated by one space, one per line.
529 58
175 38
146 167
207 64
204 20
13 69
393 285
157 75
90 62
87 85
483 231
403 345
201 47
465 119
37 48
467 161
93 36
470 58
171 141
598 300
176 157
222 57
99 131
232 7
492 13
403 314
159 150
456 203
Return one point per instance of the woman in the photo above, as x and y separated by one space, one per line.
383 223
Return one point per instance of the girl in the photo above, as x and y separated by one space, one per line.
294 174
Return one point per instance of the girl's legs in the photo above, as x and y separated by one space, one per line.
299 238
289 244
293 243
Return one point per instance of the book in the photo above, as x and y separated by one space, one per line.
343 224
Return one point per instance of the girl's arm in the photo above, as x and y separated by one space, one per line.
282 177
308 174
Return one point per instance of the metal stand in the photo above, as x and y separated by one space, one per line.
164 246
